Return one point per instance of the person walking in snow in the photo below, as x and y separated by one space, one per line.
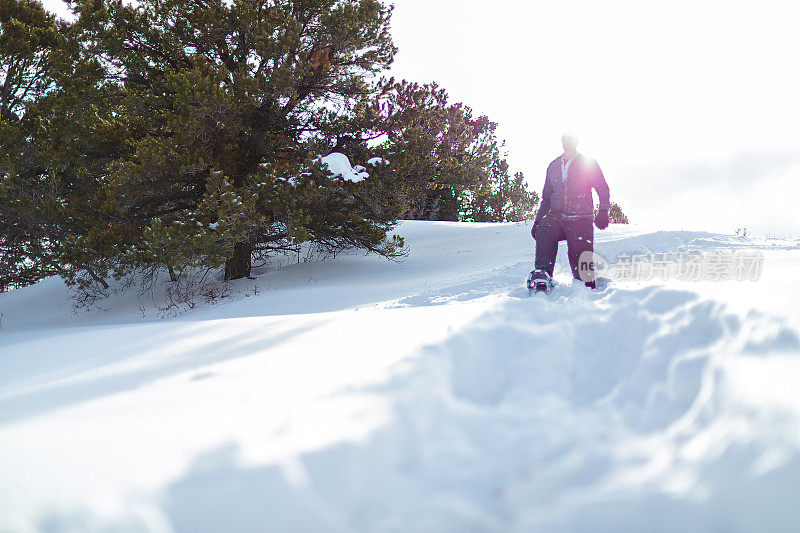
566 213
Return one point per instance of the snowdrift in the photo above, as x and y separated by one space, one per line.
431 394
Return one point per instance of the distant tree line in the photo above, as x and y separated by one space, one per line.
177 135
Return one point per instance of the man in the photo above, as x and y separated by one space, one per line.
566 213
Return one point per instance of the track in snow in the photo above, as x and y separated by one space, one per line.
433 394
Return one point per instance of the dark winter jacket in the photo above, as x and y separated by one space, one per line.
571 199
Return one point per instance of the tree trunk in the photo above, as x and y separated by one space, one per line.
97 278
238 265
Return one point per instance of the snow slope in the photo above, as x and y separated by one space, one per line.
432 394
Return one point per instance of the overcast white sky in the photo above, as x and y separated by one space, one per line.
690 106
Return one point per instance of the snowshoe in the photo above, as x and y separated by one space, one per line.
540 281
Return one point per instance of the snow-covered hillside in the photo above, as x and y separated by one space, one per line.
432 394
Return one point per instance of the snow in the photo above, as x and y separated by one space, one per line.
432 394
377 161
339 165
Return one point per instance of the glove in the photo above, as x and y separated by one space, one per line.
533 229
601 220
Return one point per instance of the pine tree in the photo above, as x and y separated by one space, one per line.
448 160
214 113
439 149
616 216
501 198
29 36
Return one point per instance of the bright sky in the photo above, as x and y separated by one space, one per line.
690 106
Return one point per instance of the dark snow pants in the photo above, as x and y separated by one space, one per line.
579 235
